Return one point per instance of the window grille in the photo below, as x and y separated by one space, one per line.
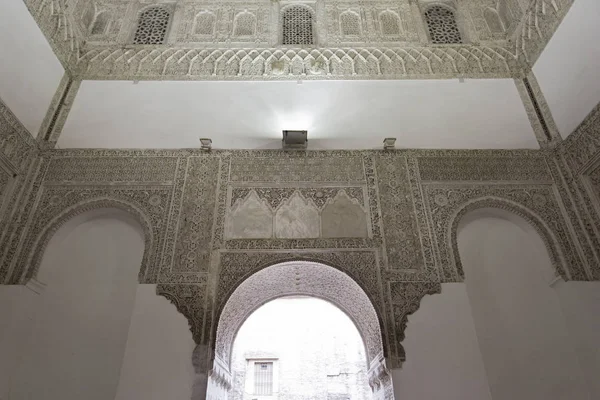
390 24
263 378
297 26
152 26
442 25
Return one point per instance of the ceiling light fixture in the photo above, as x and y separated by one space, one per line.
295 139
206 144
389 143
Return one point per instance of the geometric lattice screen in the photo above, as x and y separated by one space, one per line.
152 26
297 26
442 25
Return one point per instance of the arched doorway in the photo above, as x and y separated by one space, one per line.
297 278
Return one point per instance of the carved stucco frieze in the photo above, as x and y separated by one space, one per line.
583 145
293 63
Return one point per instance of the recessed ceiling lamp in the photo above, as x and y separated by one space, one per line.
389 143
295 139
206 144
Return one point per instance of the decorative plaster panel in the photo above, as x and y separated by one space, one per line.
532 169
93 170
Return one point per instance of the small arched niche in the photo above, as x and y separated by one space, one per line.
298 278
86 284
516 311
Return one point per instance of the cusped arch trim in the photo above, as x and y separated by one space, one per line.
43 238
553 246
298 278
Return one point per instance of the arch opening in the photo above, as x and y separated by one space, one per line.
298 278
301 346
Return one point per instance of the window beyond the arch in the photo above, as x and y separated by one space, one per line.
297 26
152 26
442 26
390 24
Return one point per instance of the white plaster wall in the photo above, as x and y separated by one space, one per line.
568 70
337 114
74 343
580 302
29 70
16 308
443 361
158 357
527 349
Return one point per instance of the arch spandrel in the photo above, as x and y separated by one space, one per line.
298 278
58 206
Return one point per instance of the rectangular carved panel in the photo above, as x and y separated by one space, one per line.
112 169
192 251
301 167
398 215
297 213
483 169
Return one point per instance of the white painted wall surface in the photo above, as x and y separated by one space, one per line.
337 114
568 70
76 339
16 313
29 70
526 346
580 302
442 354
158 357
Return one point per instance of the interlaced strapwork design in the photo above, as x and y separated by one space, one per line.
297 26
152 26
442 25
